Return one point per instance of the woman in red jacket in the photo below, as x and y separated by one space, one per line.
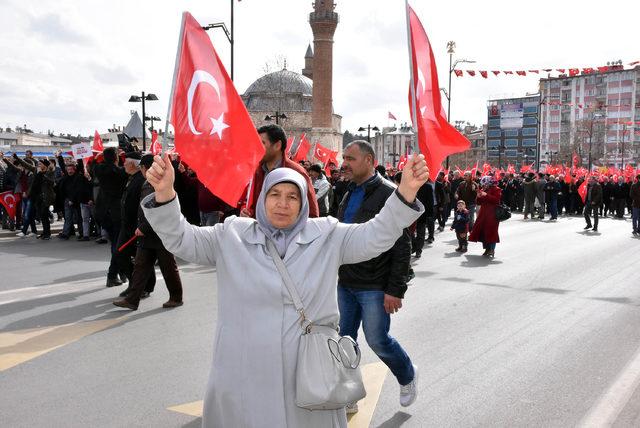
485 229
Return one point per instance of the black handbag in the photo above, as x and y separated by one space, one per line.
503 212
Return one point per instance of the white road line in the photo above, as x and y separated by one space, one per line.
614 400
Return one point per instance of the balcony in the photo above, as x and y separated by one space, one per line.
324 15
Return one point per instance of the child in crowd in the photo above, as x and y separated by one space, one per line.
461 226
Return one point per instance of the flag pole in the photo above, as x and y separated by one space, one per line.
173 83
412 90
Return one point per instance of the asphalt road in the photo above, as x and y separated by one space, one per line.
546 334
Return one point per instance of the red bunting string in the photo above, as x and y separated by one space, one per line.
570 71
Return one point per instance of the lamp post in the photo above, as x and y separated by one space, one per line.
591 137
551 156
143 98
451 47
368 129
276 116
227 33
152 119
624 131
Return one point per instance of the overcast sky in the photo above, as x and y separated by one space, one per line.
70 66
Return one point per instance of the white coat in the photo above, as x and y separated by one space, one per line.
252 378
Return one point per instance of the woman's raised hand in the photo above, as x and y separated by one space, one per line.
414 175
161 176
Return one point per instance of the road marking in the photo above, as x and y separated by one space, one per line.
192 409
614 400
17 347
373 376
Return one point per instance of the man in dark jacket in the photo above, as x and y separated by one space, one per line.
149 250
426 222
620 194
129 205
370 291
112 179
592 203
552 190
634 194
530 191
608 189
69 189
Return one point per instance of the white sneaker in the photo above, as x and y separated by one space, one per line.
20 234
352 408
409 392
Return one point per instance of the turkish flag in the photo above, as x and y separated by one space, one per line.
155 148
402 162
213 131
582 190
331 163
483 73
303 149
322 153
437 139
521 73
9 202
288 149
392 116
97 143
574 71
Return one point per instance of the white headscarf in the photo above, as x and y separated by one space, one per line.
282 237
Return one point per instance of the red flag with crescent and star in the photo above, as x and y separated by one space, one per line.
155 148
9 202
214 133
437 139
322 153
303 149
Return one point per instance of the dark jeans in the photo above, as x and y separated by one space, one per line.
144 269
367 306
113 232
124 258
490 247
553 208
43 213
635 219
28 216
588 209
422 225
620 205
72 217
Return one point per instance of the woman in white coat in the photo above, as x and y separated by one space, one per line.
252 378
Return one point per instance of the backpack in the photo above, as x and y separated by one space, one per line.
503 212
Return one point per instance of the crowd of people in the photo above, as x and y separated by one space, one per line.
111 196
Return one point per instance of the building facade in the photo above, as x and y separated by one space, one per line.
512 131
392 143
594 115
477 152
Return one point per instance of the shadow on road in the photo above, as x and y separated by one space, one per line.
196 423
588 233
476 261
26 305
396 420
452 255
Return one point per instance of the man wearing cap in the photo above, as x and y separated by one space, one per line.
149 250
129 212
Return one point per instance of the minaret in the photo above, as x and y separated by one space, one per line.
307 71
323 21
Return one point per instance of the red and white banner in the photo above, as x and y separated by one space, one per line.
9 201
571 71
155 148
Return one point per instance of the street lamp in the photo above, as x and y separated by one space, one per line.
368 129
152 119
595 116
143 98
624 131
451 46
276 116
227 33
551 155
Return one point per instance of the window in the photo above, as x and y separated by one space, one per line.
511 153
529 131
530 121
511 142
510 132
529 142
531 109
493 143
494 123
492 153
494 133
